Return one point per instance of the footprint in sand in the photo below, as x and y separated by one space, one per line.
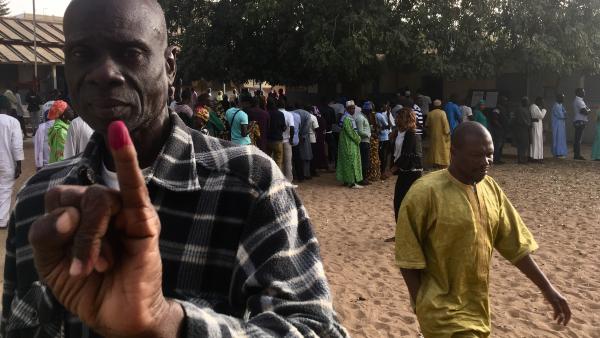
408 319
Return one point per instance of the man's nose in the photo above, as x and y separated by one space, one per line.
107 74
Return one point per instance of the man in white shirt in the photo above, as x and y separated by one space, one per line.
78 136
386 124
287 140
11 150
581 119
314 125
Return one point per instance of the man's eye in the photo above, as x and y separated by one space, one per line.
79 53
132 53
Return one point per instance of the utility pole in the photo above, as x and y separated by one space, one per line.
35 65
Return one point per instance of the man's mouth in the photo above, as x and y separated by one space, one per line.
109 104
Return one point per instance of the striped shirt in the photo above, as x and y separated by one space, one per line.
238 250
419 113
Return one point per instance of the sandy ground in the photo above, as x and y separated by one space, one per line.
560 202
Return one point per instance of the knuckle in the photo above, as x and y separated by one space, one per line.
95 198
85 240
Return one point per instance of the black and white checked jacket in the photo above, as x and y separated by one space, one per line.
238 250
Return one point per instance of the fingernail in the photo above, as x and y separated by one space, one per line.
63 225
118 135
76 268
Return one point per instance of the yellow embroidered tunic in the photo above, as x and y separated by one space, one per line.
449 230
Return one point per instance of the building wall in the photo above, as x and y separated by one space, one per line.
22 75
10 75
463 88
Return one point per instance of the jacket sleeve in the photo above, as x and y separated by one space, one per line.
10 276
279 278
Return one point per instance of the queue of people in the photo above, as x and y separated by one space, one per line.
357 141
353 138
525 124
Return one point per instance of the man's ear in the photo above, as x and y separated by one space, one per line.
171 62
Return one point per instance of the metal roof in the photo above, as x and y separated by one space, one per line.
16 42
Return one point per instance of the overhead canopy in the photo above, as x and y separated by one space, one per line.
16 42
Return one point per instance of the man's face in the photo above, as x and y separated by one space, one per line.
351 110
474 158
115 62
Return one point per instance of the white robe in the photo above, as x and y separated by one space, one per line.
537 132
78 136
41 147
11 151
314 125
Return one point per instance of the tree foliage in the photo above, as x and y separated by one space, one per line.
4 11
309 41
556 36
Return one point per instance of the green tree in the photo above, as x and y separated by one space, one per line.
561 37
4 11
448 38
309 41
287 41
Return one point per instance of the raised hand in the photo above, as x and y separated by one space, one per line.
97 249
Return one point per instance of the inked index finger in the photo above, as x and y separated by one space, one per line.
131 180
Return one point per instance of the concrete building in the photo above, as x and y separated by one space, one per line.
18 56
